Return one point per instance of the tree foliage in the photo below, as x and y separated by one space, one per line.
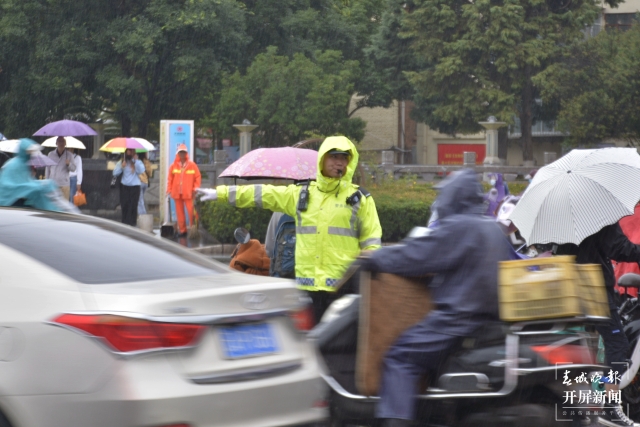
290 99
478 58
598 88
141 61
145 60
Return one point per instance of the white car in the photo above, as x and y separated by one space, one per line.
105 325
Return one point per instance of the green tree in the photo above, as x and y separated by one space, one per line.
310 26
598 88
390 50
141 61
479 58
45 64
290 99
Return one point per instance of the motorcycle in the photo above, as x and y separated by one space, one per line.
630 315
508 374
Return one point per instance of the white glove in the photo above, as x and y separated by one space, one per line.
207 194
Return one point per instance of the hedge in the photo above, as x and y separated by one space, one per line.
401 204
221 219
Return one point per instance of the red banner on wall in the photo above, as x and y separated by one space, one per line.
452 154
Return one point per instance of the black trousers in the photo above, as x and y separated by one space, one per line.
129 196
320 300
616 345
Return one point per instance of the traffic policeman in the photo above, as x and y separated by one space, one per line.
335 219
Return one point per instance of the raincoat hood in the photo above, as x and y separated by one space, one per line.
181 147
342 143
24 149
177 158
460 193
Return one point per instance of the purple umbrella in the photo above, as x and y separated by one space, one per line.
65 128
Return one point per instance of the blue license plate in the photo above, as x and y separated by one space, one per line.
248 340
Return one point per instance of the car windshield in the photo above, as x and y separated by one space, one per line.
95 251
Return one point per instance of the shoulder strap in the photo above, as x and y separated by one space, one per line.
364 192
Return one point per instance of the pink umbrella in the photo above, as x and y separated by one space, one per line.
282 162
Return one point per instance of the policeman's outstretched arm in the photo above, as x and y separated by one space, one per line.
275 198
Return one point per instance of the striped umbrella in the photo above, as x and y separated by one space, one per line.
579 194
119 145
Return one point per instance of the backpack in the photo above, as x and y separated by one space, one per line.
283 260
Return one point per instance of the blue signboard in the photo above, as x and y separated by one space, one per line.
177 132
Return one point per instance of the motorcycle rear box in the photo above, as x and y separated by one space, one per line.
547 288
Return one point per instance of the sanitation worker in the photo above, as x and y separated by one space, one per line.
335 219
184 178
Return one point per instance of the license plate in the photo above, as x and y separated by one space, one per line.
248 340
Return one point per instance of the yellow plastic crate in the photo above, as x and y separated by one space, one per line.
539 288
592 290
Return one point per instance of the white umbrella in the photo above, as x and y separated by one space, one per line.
579 194
71 142
149 146
9 145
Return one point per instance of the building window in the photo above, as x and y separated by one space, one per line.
619 21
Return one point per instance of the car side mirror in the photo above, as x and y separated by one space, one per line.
242 235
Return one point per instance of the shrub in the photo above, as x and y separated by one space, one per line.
221 219
402 204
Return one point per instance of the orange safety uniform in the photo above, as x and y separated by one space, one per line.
182 183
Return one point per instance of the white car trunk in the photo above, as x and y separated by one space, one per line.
249 334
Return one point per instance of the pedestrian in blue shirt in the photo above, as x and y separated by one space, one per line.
130 168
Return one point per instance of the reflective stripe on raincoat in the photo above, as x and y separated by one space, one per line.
183 182
330 234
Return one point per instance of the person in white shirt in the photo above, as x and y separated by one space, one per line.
75 177
59 173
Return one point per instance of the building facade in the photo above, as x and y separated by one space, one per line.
415 143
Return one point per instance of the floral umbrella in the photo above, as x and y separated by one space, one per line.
281 163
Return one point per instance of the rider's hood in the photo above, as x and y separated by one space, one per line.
341 143
26 147
460 193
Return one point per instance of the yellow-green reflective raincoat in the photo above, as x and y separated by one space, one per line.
330 233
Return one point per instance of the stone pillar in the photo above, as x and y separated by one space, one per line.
492 126
220 164
245 136
388 161
98 140
549 157
469 158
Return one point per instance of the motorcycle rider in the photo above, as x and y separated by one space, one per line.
464 290
335 219
19 188
608 244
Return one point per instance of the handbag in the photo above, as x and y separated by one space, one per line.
115 180
79 199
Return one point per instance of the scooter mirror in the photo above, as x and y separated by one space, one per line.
242 235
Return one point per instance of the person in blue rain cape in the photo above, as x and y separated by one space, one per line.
464 289
19 188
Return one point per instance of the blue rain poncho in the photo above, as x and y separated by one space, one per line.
19 188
